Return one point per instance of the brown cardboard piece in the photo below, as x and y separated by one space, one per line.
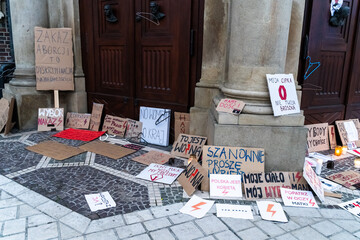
54 59
115 125
346 178
332 136
231 160
78 120
106 149
4 112
230 106
133 130
55 150
95 119
9 124
153 157
187 145
181 124
342 131
50 118
192 177
297 181
317 137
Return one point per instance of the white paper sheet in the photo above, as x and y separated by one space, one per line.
234 211
197 207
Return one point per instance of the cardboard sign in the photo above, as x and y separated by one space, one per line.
133 146
332 136
313 181
9 124
182 124
352 206
265 185
297 181
100 201
77 120
192 177
231 161
55 150
160 173
197 207
271 211
106 149
133 130
234 211
348 131
115 125
317 137
96 114
156 125
4 112
329 185
50 118
153 157
225 186
187 145
54 59
283 95
230 106
297 198
347 178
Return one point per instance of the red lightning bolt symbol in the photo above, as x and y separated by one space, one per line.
298 177
188 148
196 206
311 202
270 206
225 192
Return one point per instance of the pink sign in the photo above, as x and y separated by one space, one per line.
230 106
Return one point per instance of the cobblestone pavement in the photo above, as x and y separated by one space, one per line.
38 201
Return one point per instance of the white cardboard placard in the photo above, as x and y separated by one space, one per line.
160 173
234 211
329 185
271 211
352 206
100 201
230 106
197 207
351 131
314 181
225 186
296 198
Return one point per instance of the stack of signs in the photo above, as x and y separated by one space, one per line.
51 118
317 137
96 116
271 211
153 157
100 201
192 177
297 198
234 211
283 94
187 145
231 161
265 185
133 130
332 136
156 125
230 106
225 186
348 132
182 124
349 179
4 111
159 173
197 207
78 120
115 125
352 206
313 181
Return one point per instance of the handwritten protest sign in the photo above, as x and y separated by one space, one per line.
100 201
283 94
54 59
352 206
297 198
348 131
49 118
332 136
96 116
297 181
182 124
346 178
271 211
313 181
265 185
197 207
231 160
187 145
115 125
133 130
225 186
156 125
160 173
192 177
4 111
317 137
78 120
153 157
234 211
230 106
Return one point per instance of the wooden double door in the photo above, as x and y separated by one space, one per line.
332 91
134 56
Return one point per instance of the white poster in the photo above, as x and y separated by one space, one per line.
271 211
160 173
313 180
225 186
352 206
197 207
234 211
99 201
329 185
283 95
351 131
156 125
297 198
335 6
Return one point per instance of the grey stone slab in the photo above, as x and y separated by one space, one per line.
186 231
4 195
207 238
140 237
289 226
130 230
157 224
68 232
138 216
27 211
166 210
39 219
4 180
287 236
327 228
270 228
211 225
43 232
228 235
357 234
336 213
105 223
53 209
10 202
32 198
180 218
343 236
76 221
76 238
14 188
162 234
20 236
304 221
304 212
108 235
8 213
252 234
307 233
14 226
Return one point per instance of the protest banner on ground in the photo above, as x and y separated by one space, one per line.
187 145
133 130
317 137
271 211
160 173
192 177
348 131
352 206
77 120
234 211
265 185
347 178
153 157
197 207
54 59
230 106
4 112
313 181
50 118
96 114
332 136
297 181
107 149
100 201
115 125
55 150
225 186
182 124
231 160
297 198
283 94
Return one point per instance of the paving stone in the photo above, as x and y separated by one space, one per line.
207 238
14 188
32 198
54 209
166 210
357 234
307 233
76 221
252 234
348 225
130 230
39 219
162 234
4 180
327 228
287 236
4 195
237 224
138 216
303 221
105 223
10 202
43 232
305 212
76 238
270 228
108 235
140 237
14 226
228 235
20 236
289 226
68 232
336 213
180 218
343 236
27 211
186 231
157 224
211 225
8 213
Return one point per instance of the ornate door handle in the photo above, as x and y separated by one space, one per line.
109 14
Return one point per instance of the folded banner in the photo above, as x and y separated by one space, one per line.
77 134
